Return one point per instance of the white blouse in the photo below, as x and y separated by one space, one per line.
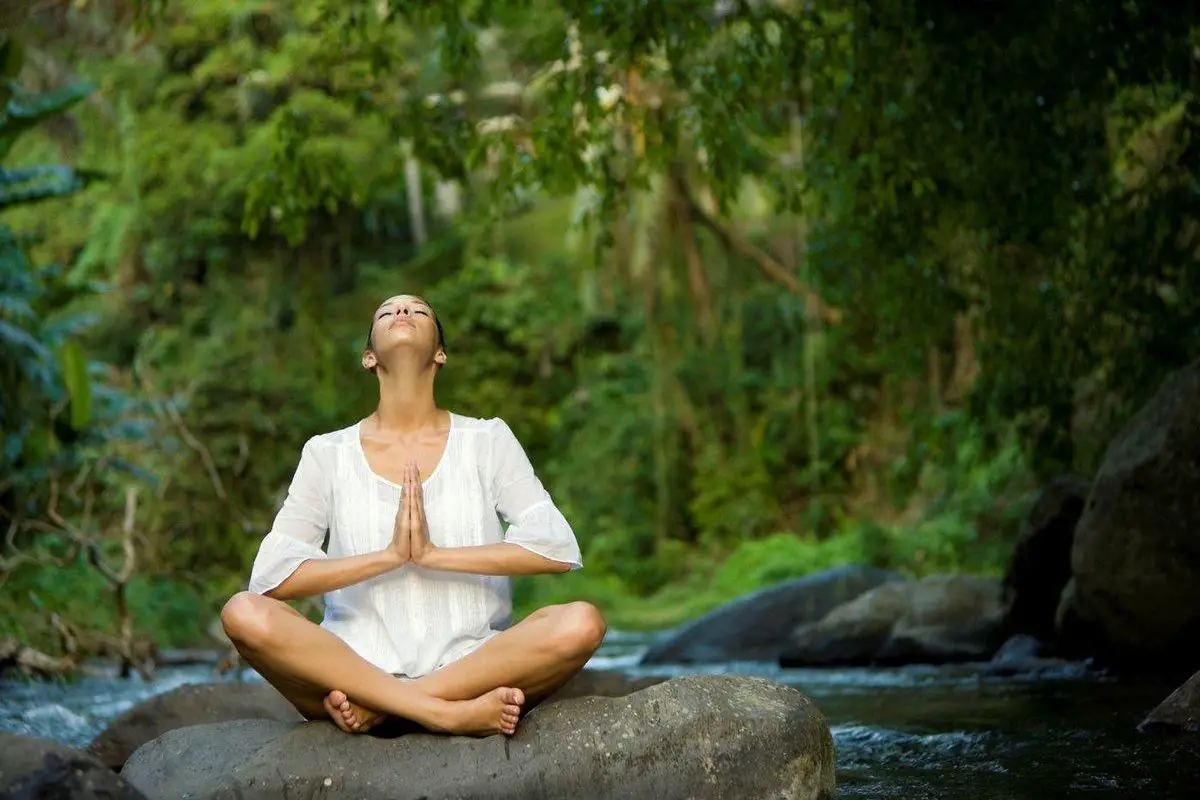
413 620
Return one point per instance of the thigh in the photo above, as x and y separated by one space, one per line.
305 695
515 657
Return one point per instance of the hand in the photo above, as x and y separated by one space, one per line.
420 548
400 546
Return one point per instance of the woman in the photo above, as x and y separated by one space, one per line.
415 574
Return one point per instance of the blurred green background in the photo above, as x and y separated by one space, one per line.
762 287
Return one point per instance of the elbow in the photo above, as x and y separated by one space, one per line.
560 566
284 590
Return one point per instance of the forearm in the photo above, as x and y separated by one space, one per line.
318 576
491 559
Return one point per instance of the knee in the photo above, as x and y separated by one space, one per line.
247 618
580 628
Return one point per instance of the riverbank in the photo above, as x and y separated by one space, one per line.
952 732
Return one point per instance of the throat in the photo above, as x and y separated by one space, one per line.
386 453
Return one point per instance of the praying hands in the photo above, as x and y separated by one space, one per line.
410 534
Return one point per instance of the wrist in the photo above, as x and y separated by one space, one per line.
390 559
429 557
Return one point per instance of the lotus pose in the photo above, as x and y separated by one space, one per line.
415 573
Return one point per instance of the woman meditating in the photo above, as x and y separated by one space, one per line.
415 577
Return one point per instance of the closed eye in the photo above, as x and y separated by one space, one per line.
383 314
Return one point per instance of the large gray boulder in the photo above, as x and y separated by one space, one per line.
938 619
756 627
1179 713
1134 596
602 683
39 769
1041 561
195 704
696 737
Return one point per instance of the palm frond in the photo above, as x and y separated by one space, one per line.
23 110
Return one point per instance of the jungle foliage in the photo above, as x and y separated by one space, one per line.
762 286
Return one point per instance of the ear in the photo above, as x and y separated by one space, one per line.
369 362
439 357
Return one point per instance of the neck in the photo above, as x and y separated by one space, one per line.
406 402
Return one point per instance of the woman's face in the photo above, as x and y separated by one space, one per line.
405 318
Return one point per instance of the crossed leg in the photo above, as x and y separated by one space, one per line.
304 661
537 655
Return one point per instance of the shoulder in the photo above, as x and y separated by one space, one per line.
489 427
340 438
323 446
491 438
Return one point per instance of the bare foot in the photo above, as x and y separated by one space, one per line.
498 711
350 717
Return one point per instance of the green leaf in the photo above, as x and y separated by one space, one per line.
31 184
73 363
23 112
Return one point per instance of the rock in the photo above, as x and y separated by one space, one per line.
1025 655
188 705
38 769
1180 712
602 683
1041 561
939 619
1134 597
696 737
756 627
1018 649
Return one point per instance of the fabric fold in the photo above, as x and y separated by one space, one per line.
278 557
543 529
300 526
534 522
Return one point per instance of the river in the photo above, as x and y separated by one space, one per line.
951 733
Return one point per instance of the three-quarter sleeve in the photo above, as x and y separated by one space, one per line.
300 526
534 522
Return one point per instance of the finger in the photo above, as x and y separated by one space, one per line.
419 493
411 490
401 510
406 500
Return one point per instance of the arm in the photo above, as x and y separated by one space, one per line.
319 576
290 562
502 558
538 540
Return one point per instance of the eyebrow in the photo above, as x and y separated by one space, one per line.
389 303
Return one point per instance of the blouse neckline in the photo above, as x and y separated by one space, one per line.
366 462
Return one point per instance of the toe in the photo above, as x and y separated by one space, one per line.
516 697
335 717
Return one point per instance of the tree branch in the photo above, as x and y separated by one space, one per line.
30 661
767 263
188 436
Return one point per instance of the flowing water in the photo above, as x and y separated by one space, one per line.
910 733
